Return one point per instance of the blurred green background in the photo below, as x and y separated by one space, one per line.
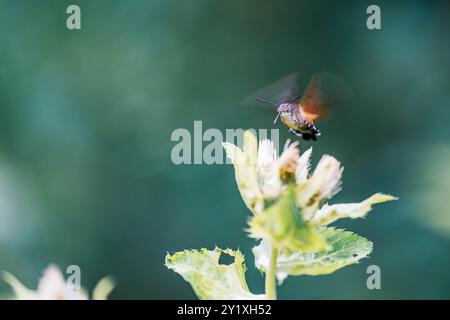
86 117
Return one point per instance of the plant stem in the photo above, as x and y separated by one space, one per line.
271 285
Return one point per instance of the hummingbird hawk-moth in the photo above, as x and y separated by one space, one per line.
298 112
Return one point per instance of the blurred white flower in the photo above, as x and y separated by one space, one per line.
53 286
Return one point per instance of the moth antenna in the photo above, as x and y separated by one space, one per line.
265 101
294 99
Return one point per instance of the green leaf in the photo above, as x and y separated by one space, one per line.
328 214
281 225
209 279
345 248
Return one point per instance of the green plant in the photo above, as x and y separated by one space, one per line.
290 217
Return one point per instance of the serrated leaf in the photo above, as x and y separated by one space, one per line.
209 279
281 225
328 214
345 248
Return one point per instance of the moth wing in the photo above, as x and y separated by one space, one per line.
312 116
323 90
280 91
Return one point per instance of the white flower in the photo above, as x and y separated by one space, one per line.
287 164
266 169
303 165
329 174
53 286
323 184
273 171
261 175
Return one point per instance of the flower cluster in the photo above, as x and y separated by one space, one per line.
287 201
